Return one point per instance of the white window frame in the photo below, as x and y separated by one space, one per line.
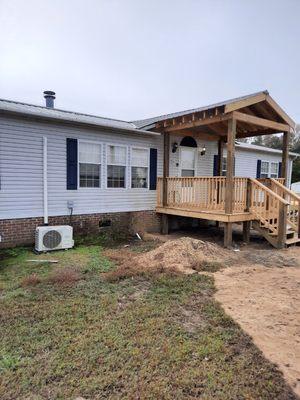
269 168
79 141
131 165
126 166
268 174
195 159
276 163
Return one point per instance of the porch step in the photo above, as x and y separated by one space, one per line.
272 239
289 232
292 240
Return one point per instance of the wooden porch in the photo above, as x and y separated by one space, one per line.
272 208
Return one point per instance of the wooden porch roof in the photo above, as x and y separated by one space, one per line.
255 114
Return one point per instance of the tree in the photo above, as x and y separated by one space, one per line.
258 140
296 148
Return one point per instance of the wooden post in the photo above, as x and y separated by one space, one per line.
219 169
285 157
227 234
246 231
166 166
282 225
299 219
229 198
165 224
247 224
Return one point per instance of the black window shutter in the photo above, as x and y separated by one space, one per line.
72 163
216 158
279 169
153 169
258 169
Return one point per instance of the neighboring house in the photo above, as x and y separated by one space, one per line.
55 163
296 187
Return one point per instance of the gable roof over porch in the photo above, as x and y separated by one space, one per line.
256 114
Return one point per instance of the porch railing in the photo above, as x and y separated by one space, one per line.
202 193
268 207
293 208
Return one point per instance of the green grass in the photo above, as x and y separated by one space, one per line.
156 337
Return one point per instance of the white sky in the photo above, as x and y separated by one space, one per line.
132 59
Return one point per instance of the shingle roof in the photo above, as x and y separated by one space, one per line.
148 122
255 147
68 116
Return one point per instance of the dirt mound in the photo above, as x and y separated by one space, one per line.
184 255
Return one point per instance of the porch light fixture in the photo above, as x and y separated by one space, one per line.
174 147
202 151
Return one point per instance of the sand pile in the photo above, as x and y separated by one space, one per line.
182 255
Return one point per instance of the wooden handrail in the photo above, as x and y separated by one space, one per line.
271 193
293 210
270 210
285 189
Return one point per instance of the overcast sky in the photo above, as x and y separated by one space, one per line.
132 59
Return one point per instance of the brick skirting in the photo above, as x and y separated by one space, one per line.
21 231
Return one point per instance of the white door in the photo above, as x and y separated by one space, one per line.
187 169
187 161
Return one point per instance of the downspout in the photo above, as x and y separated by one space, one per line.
45 179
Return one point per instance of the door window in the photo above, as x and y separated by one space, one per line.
187 161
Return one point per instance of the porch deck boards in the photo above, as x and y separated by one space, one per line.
212 215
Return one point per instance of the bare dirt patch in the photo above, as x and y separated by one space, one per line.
258 286
266 303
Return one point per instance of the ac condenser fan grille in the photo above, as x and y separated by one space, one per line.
52 239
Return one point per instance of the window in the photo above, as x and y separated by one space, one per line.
187 161
224 166
89 164
264 171
139 168
116 166
269 169
274 170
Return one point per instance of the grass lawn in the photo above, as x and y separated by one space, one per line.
145 337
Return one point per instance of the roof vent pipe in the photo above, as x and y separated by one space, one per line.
49 96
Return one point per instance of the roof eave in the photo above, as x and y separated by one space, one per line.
78 122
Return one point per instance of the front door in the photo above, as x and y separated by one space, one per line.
187 161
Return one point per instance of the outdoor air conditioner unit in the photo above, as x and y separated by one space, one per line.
49 238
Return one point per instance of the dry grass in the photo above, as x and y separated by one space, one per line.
126 270
118 256
64 276
206 265
149 337
31 280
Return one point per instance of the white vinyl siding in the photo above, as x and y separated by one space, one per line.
21 169
245 159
